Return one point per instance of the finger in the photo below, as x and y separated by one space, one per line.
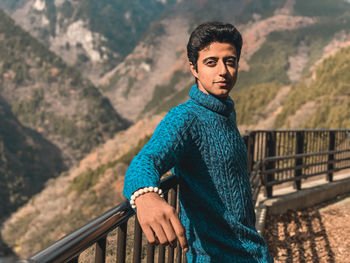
149 234
180 232
169 232
158 230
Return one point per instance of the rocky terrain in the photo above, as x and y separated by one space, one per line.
50 97
93 36
50 116
102 69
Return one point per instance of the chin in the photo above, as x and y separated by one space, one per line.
224 92
221 95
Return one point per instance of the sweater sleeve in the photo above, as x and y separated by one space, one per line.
160 154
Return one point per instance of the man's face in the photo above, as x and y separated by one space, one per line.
217 69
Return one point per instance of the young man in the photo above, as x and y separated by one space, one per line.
200 140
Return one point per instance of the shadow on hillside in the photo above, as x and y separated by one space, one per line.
27 162
298 236
5 251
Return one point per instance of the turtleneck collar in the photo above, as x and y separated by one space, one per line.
224 107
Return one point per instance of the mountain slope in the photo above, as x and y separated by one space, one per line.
50 97
293 74
281 44
78 195
92 35
143 42
329 89
27 161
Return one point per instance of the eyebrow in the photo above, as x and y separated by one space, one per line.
210 58
216 58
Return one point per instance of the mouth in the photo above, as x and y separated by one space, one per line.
222 83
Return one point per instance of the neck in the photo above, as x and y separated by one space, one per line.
221 98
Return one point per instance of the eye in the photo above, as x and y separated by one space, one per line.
211 63
231 62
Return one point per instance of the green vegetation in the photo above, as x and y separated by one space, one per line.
333 114
270 63
161 92
330 88
121 22
130 85
67 9
175 100
38 76
249 102
331 8
223 10
27 161
29 106
113 81
89 178
40 93
12 4
264 8
127 157
154 30
51 14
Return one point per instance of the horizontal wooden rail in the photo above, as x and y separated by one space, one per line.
279 158
262 165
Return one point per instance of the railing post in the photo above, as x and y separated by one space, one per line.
100 253
150 253
299 148
263 177
331 156
172 196
270 152
137 242
250 150
121 243
73 260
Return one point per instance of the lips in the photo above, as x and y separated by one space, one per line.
221 83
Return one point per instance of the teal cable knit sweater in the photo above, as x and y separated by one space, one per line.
199 139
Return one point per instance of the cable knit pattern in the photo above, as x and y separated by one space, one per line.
200 141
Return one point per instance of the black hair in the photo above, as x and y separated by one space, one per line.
210 32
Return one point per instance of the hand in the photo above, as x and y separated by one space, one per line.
159 221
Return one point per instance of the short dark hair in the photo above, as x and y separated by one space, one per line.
210 32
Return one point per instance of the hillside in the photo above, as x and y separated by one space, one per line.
94 36
27 161
78 195
293 74
136 51
50 116
96 184
328 90
51 98
282 42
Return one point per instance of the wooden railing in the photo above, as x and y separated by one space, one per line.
274 157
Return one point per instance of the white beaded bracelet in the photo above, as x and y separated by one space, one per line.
143 191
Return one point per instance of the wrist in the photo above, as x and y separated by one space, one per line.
143 191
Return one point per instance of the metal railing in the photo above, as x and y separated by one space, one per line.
291 155
95 233
303 170
274 157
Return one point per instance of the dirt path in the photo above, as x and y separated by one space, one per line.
318 234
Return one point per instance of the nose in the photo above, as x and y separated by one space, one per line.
222 68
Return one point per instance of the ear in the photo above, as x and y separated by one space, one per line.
193 70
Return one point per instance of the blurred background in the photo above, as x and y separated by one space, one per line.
84 83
